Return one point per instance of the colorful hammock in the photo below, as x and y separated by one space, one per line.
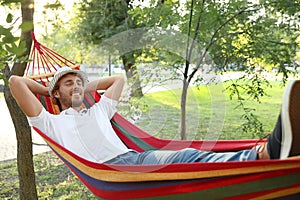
228 180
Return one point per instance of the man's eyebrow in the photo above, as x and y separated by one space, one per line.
68 80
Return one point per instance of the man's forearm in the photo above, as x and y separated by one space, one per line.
37 88
23 90
113 86
32 85
102 84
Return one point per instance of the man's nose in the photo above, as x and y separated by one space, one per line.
76 85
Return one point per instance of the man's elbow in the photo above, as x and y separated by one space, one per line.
121 79
14 83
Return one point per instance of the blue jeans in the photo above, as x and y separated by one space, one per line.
187 155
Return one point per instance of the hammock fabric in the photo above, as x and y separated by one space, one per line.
228 180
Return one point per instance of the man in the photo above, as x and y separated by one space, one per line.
89 134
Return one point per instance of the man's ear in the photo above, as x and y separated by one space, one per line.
56 94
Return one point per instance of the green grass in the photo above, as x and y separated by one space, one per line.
161 118
53 179
210 113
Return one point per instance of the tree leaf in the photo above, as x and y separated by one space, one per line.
9 18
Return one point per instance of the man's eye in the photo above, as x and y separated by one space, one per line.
69 84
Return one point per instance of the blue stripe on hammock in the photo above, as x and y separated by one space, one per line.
128 186
125 186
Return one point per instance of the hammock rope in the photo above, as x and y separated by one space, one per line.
44 61
228 180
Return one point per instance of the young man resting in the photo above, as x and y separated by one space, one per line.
89 134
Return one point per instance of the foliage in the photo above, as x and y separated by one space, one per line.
95 21
99 20
252 88
12 49
102 19
55 30
232 32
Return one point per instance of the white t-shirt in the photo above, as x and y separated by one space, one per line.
87 133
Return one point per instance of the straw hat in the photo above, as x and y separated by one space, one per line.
63 71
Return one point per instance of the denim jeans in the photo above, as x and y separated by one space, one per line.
187 155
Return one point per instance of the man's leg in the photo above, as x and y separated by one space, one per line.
274 140
285 138
188 155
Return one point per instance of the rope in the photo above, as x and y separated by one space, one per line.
44 61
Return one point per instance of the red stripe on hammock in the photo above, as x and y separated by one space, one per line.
178 167
183 188
216 145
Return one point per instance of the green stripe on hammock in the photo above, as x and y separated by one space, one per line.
138 141
43 101
239 189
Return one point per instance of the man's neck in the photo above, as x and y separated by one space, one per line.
77 108
74 108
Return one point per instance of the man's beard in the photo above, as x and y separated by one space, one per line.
76 102
71 102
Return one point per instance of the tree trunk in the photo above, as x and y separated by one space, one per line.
132 75
22 128
183 109
24 149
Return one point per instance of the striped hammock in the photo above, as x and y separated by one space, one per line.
229 180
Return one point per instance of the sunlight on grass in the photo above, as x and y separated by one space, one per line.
170 98
162 116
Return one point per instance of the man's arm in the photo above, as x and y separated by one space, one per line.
113 86
23 90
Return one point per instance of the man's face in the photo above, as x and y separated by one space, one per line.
70 91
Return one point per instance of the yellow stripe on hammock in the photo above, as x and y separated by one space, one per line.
121 176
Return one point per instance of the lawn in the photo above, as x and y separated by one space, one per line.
210 111
211 115
53 180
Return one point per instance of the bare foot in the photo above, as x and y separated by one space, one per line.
262 152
